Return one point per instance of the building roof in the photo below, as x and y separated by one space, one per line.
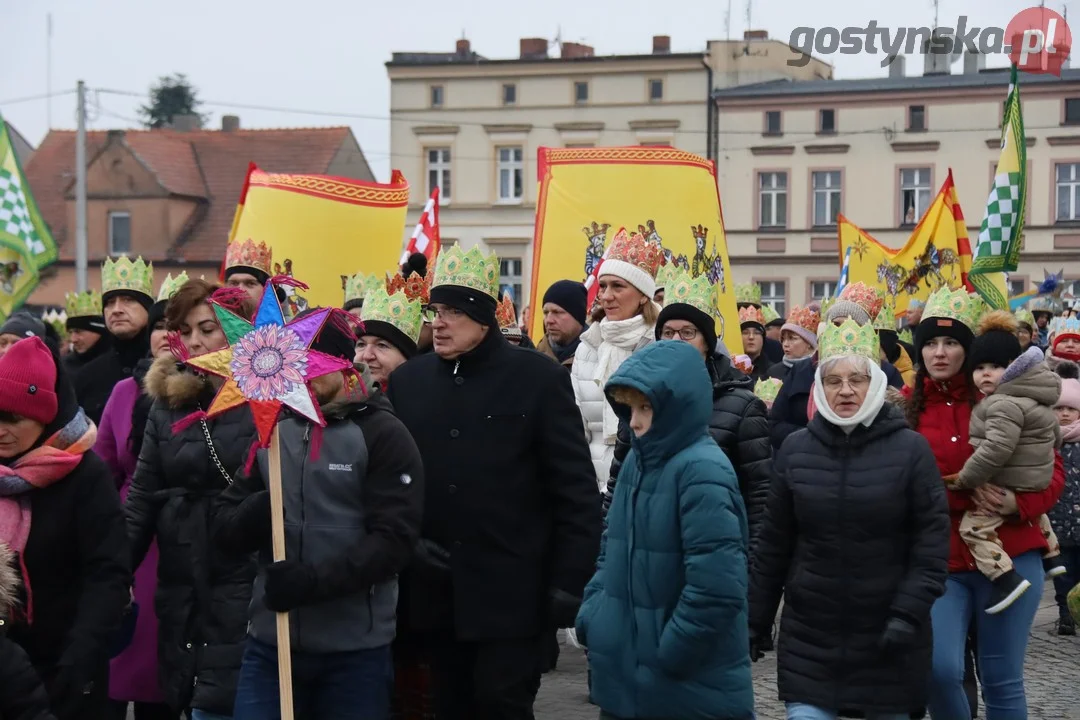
421 59
23 149
986 78
204 164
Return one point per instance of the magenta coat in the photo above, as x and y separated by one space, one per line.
133 674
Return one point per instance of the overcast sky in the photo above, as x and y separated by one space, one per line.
328 55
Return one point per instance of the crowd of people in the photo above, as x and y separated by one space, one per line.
898 494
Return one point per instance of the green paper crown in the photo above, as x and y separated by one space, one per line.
57 319
749 294
886 318
767 389
123 274
397 310
665 275
170 285
906 336
359 286
85 304
1025 316
696 292
847 339
769 313
468 269
959 305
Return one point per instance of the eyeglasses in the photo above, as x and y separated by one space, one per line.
686 333
447 314
855 382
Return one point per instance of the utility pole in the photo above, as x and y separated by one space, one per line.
80 192
48 69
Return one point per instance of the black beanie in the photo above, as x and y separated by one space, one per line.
390 334
681 311
933 327
143 299
477 305
256 273
156 314
92 323
570 296
995 348
417 263
24 325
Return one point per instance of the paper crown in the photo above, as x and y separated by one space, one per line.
635 250
84 304
743 364
767 389
57 320
696 292
960 305
468 269
170 285
1066 326
1024 315
414 286
394 309
805 317
886 319
868 298
906 336
505 313
359 286
826 303
749 294
124 275
248 254
664 276
751 314
848 339
769 314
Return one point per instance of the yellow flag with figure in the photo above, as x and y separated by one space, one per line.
937 253
667 195
323 229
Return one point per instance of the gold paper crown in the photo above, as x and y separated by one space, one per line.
468 269
960 305
696 292
847 339
124 275
637 251
504 312
769 314
751 314
748 294
414 286
869 299
886 319
805 317
170 285
396 309
767 389
248 254
85 304
359 286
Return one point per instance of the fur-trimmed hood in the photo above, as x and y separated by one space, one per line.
9 581
1028 376
893 396
174 383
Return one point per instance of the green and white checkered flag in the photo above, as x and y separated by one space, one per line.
998 248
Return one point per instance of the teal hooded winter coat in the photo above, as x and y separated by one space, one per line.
665 615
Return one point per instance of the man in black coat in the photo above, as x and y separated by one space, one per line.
511 526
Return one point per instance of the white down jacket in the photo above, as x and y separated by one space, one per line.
590 398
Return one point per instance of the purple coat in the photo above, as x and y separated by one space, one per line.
133 675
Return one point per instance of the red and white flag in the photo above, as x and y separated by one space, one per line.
425 238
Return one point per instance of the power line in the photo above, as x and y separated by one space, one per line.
43 96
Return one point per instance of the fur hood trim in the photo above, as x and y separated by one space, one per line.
172 382
9 581
1028 360
894 397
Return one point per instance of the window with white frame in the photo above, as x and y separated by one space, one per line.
510 273
437 93
509 94
511 174
774 292
772 199
914 194
581 92
1068 191
821 289
1017 287
119 233
827 194
438 172
656 90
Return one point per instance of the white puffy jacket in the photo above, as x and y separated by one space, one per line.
591 400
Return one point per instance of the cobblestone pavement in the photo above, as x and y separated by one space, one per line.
1052 678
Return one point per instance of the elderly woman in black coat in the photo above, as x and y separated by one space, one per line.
856 539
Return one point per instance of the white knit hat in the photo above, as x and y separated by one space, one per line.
631 274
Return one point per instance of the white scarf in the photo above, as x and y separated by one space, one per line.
875 399
618 341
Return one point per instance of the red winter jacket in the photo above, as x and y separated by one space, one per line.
944 422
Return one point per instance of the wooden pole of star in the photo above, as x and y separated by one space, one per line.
277 525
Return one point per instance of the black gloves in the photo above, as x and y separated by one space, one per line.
430 556
563 608
254 512
757 645
68 690
289 584
899 634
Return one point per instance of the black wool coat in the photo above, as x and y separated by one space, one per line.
510 490
94 380
856 532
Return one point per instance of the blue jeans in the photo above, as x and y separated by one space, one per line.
801 711
1070 556
330 686
1002 644
197 714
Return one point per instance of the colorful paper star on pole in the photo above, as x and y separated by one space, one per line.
269 364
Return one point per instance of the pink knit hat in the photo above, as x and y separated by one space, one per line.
28 381
1070 394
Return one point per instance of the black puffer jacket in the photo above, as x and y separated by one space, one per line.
203 592
856 533
788 413
22 696
95 380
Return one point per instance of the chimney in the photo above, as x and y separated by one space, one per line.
661 44
116 135
974 62
896 66
571 50
534 48
935 62
230 123
463 47
755 35
186 123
